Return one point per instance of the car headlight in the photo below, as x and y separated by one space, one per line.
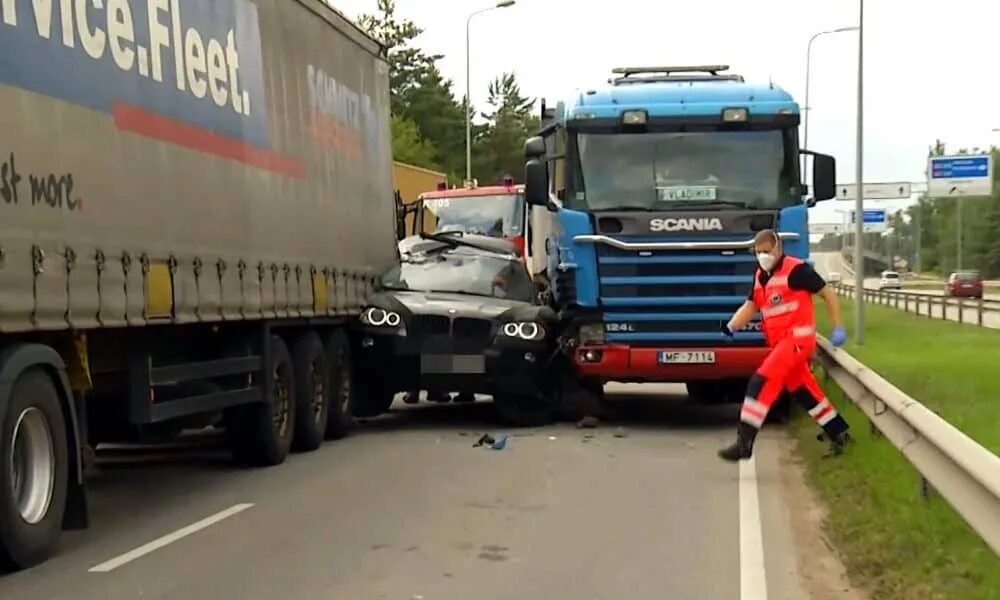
379 317
525 330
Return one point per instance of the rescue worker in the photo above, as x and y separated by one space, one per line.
782 292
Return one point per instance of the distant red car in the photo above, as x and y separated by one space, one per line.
964 284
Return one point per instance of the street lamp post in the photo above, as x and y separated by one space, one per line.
808 107
859 257
468 85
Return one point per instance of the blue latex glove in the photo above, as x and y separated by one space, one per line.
838 337
727 333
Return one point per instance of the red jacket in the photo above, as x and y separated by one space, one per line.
784 312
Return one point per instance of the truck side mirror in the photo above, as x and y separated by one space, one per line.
534 147
824 169
536 182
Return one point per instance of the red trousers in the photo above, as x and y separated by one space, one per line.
787 367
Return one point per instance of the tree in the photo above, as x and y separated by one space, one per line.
432 106
409 146
408 65
419 93
509 123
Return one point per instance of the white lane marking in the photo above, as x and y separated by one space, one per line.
170 538
753 580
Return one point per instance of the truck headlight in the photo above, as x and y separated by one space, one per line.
592 333
379 317
735 115
525 330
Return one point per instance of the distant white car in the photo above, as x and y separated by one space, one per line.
890 280
833 277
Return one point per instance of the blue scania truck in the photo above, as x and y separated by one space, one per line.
655 185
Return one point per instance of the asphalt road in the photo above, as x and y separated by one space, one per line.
406 508
827 262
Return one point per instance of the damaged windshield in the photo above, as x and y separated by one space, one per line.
462 272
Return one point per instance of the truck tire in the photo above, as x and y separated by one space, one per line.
312 392
260 434
524 410
339 420
706 392
34 472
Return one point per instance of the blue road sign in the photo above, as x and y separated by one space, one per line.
960 167
872 216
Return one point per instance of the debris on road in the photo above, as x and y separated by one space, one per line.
621 433
488 441
588 422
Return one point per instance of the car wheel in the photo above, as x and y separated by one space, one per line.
524 410
371 397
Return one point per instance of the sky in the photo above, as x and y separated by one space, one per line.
929 67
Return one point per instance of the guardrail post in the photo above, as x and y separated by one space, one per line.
961 310
906 303
926 489
979 312
897 300
944 309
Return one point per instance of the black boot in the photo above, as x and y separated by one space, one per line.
838 442
835 432
742 449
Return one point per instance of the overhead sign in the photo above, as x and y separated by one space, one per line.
955 176
876 191
825 228
873 220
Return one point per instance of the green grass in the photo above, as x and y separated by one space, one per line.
894 542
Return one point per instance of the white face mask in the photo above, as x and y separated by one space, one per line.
766 260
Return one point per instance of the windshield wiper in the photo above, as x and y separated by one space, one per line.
703 204
453 239
632 208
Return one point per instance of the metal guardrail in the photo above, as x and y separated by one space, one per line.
962 310
963 472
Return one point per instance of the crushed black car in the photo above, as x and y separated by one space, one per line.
460 313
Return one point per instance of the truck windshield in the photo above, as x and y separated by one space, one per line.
497 216
661 170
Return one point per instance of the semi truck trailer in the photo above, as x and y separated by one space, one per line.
195 197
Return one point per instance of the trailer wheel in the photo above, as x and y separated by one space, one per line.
524 410
260 434
312 392
339 420
34 472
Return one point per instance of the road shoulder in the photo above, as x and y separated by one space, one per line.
801 560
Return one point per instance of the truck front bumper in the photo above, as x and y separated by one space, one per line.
619 362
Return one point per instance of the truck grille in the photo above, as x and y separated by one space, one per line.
677 298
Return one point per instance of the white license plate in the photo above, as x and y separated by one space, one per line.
456 364
693 357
